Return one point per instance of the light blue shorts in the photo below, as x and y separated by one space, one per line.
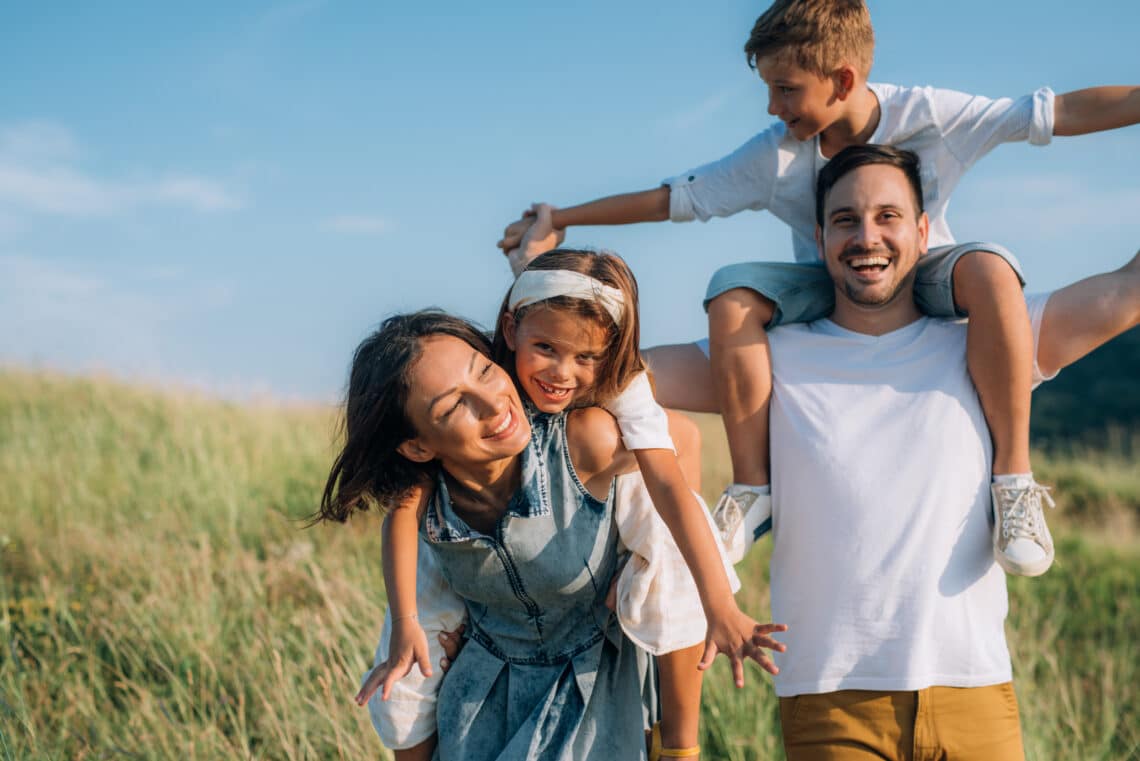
805 292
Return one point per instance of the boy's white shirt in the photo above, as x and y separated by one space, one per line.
948 130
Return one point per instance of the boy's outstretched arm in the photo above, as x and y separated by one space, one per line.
1098 108
624 209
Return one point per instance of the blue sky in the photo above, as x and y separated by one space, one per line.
230 195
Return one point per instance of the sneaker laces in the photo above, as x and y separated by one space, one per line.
1021 518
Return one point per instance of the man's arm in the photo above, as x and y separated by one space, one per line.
1098 108
624 209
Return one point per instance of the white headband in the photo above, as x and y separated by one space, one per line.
534 286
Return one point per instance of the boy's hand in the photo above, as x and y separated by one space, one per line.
539 238
408 648
513 233
738 636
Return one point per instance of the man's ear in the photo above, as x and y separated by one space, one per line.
414 450
819 240
509 328
923 232
844 79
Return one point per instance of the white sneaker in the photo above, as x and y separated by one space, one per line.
742 515
1022 544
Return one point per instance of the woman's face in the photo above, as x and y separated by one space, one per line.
463 406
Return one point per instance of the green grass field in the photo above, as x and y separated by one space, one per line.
160 599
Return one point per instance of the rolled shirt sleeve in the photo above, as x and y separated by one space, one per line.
744 179
974 125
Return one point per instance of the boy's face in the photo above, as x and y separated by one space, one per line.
804 101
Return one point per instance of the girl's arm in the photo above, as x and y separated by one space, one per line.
730 630
399 551
598 455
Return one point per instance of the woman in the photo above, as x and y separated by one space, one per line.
522 526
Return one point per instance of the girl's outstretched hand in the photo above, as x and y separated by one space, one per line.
539 238
452 643
735 634
408 648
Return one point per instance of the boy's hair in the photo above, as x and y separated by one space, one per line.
816 35
623 359
854 156
369 469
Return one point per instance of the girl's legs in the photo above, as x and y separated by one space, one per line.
679 678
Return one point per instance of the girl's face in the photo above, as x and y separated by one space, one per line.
463 406
557 355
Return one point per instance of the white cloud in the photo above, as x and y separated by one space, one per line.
37 174
358 224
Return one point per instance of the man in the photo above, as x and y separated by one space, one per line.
882 565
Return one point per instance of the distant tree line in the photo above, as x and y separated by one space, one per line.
1093 403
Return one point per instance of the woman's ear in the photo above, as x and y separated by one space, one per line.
509 328
414 450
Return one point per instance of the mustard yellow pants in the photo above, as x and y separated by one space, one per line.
934 724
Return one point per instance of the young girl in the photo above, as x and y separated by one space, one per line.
568 334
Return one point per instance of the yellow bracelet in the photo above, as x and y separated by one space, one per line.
406 615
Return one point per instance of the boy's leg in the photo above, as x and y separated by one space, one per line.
984 281
743 301
999 352
687 443
1080 317
741 364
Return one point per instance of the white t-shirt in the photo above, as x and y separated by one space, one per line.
882 564
948 130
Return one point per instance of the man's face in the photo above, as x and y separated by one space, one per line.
872 235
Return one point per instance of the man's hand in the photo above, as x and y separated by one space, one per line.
736 635
539 238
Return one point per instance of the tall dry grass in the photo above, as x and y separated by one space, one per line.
159 598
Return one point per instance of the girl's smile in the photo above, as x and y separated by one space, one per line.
557 356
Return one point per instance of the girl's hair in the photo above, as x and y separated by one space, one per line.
369 469
622 358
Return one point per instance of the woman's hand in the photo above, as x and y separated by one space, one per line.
735 634
539 238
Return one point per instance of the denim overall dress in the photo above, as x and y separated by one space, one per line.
546 672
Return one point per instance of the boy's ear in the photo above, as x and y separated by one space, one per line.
414 450
509 328
844 78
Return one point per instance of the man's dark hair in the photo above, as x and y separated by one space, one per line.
854 156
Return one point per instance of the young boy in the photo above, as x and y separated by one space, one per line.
815 57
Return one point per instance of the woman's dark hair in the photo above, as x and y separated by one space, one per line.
369 469
854 156
623 358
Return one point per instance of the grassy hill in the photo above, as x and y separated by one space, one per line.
160 599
